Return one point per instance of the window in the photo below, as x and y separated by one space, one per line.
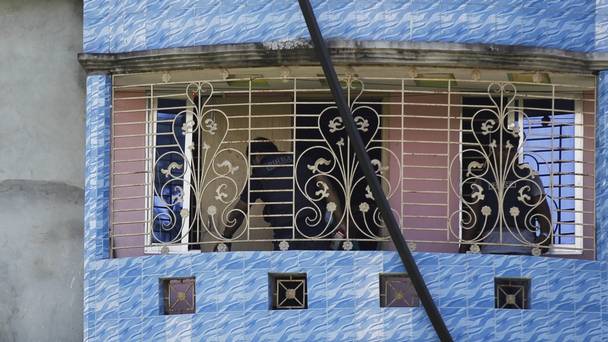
288 291
178 296
258 161
512 293
397 290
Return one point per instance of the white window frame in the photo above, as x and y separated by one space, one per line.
170 248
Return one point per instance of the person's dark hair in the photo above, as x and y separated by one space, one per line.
262 145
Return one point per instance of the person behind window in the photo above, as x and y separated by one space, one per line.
506 210
272 169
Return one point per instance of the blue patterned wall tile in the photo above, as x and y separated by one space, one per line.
285 325
130 329
208 291
509 325
563 325
130 267
312 259
507 265
454 295
421 328
426 259
398 324
284 262
151 297
587 265
316 285
130 297
178 328
340 259
481 324
206 327
230 261
255 294
431 275
341 323
369 324
451 259
562 287
208 31
106 299
203 262
366 287
313 324
257 325
153 265
539 287
153 328
458 322
589 325
177 266
106 330
604 291
368 258
538 326
230 298
587 293
480 287
601 167
340 288
256 260
392 262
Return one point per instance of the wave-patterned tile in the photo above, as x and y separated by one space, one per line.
208 290
203 262
342 323
454 280
604 291
368 258
340 288
590 326
563 326
230 298
96 26
153 329
562 287
391 262
509 325
255 293
134 14
151 302
312 259
316 286
457 321
130 329
507 265
539 287
257 325
130 297
106 330
480 288
256 260
421 328
284 261
130 267
366 287
206 327
481 324
587 294
106 299
397 324
176 265
340 259
601 173
313 324
537 326
207 31
178 328
369 324
285 325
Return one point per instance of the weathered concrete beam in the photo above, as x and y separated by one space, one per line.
347 52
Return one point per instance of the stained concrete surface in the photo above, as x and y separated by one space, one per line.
41 170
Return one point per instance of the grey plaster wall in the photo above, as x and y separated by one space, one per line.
41 170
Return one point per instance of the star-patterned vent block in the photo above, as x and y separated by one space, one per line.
397 290
288 291
178 295
512 293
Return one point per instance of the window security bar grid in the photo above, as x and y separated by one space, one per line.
466 164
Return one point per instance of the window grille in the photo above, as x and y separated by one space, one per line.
465 163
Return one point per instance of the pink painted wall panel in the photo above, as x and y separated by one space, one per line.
129 174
